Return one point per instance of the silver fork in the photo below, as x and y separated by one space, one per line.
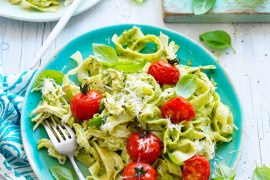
64 141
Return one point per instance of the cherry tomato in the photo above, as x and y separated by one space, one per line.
178 109
139 171
196 168
164 72
84 106
144 147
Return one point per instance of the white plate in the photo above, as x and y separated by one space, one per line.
11 11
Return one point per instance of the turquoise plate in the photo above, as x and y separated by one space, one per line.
40 161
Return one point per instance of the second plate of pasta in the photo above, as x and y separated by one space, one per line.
16 11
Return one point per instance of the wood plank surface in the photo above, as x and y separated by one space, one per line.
223 11
248 68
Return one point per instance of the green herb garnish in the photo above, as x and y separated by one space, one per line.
217 39
52 74
261 173
62 173
223 172
96 121
186 86
129 66
105 54
202 6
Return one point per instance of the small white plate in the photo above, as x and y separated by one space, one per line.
11 11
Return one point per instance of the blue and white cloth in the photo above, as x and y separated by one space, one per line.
13 160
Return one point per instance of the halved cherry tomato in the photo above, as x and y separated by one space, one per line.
196 168
178 109
139 171
144 147
164 72
85 104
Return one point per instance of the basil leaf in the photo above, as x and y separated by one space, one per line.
261 173
53 74
140 1
129 66
96 121
202 6
186 86
62 173
223 172
217 39
105 54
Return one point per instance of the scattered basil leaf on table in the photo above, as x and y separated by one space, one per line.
202 6
223 172
261 173
62 173
53 74
186 86
217 39
105 54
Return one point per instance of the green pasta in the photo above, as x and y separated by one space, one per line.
40 5
132 101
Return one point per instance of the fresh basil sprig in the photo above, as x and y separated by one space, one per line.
217 39
261 173
129 66
202 6
186 86
223 172
107 56
62 173
53 74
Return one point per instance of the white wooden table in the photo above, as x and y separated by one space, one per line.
249 68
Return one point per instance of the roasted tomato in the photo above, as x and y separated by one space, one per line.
196 168
144 147
85 104
164 72
178 109
139 171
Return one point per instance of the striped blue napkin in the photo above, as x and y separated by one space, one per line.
13 160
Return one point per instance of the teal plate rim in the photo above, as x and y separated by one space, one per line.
232 97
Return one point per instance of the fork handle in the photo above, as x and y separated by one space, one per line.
55 32
76 168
